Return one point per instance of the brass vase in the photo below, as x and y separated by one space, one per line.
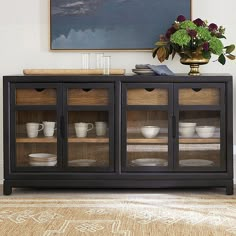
194 59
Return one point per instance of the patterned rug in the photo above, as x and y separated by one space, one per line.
158 215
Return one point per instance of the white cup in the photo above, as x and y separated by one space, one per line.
49 127
101 128
33 129
81 129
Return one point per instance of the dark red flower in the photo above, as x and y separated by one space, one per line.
168 34
198 22
205 46
212 27
181 18
192 33
170 31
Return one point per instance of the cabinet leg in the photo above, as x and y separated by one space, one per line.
7 189
230 189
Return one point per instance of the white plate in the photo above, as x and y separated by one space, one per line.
81 162
196 162
31 159
42 155
149 162
34 163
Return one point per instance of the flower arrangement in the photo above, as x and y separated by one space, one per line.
186 36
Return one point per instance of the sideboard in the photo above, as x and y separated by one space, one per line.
123 157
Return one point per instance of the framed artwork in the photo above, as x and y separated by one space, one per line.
101 25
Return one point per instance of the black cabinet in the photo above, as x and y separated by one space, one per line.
118 131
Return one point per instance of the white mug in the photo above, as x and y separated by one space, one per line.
33 129
101 128
81 129
49 127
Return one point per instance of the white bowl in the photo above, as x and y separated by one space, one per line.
187 132
205 131
150 131
187 124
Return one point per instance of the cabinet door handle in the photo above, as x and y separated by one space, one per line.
174 126
62 124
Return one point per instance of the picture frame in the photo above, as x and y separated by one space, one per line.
112 25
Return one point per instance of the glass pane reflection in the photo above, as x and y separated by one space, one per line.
199 139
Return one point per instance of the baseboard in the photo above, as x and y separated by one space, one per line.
1 171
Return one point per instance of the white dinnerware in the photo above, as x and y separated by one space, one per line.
33 129
149 162
49 128
42 159
186 132
81 162
205 131
196 162
101 128
187 124
81 129
150 131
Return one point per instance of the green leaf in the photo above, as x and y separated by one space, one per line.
173 54
206 54
221 37
221 59
231 57
230 48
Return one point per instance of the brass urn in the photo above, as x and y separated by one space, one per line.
194 59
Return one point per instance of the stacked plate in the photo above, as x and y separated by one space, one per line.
143 71
42 159
82 162
196 162
149 162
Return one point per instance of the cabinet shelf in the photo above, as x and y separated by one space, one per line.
159 140
36 140
138 138
88 140
148 140
70 140
199 140
163 139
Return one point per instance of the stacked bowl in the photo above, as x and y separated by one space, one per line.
187 129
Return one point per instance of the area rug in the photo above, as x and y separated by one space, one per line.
162 215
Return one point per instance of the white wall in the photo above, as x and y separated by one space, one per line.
24 30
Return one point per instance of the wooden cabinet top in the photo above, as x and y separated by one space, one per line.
205 78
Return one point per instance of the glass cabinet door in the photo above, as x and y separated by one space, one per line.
146 134
90 127
201 132
36 122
